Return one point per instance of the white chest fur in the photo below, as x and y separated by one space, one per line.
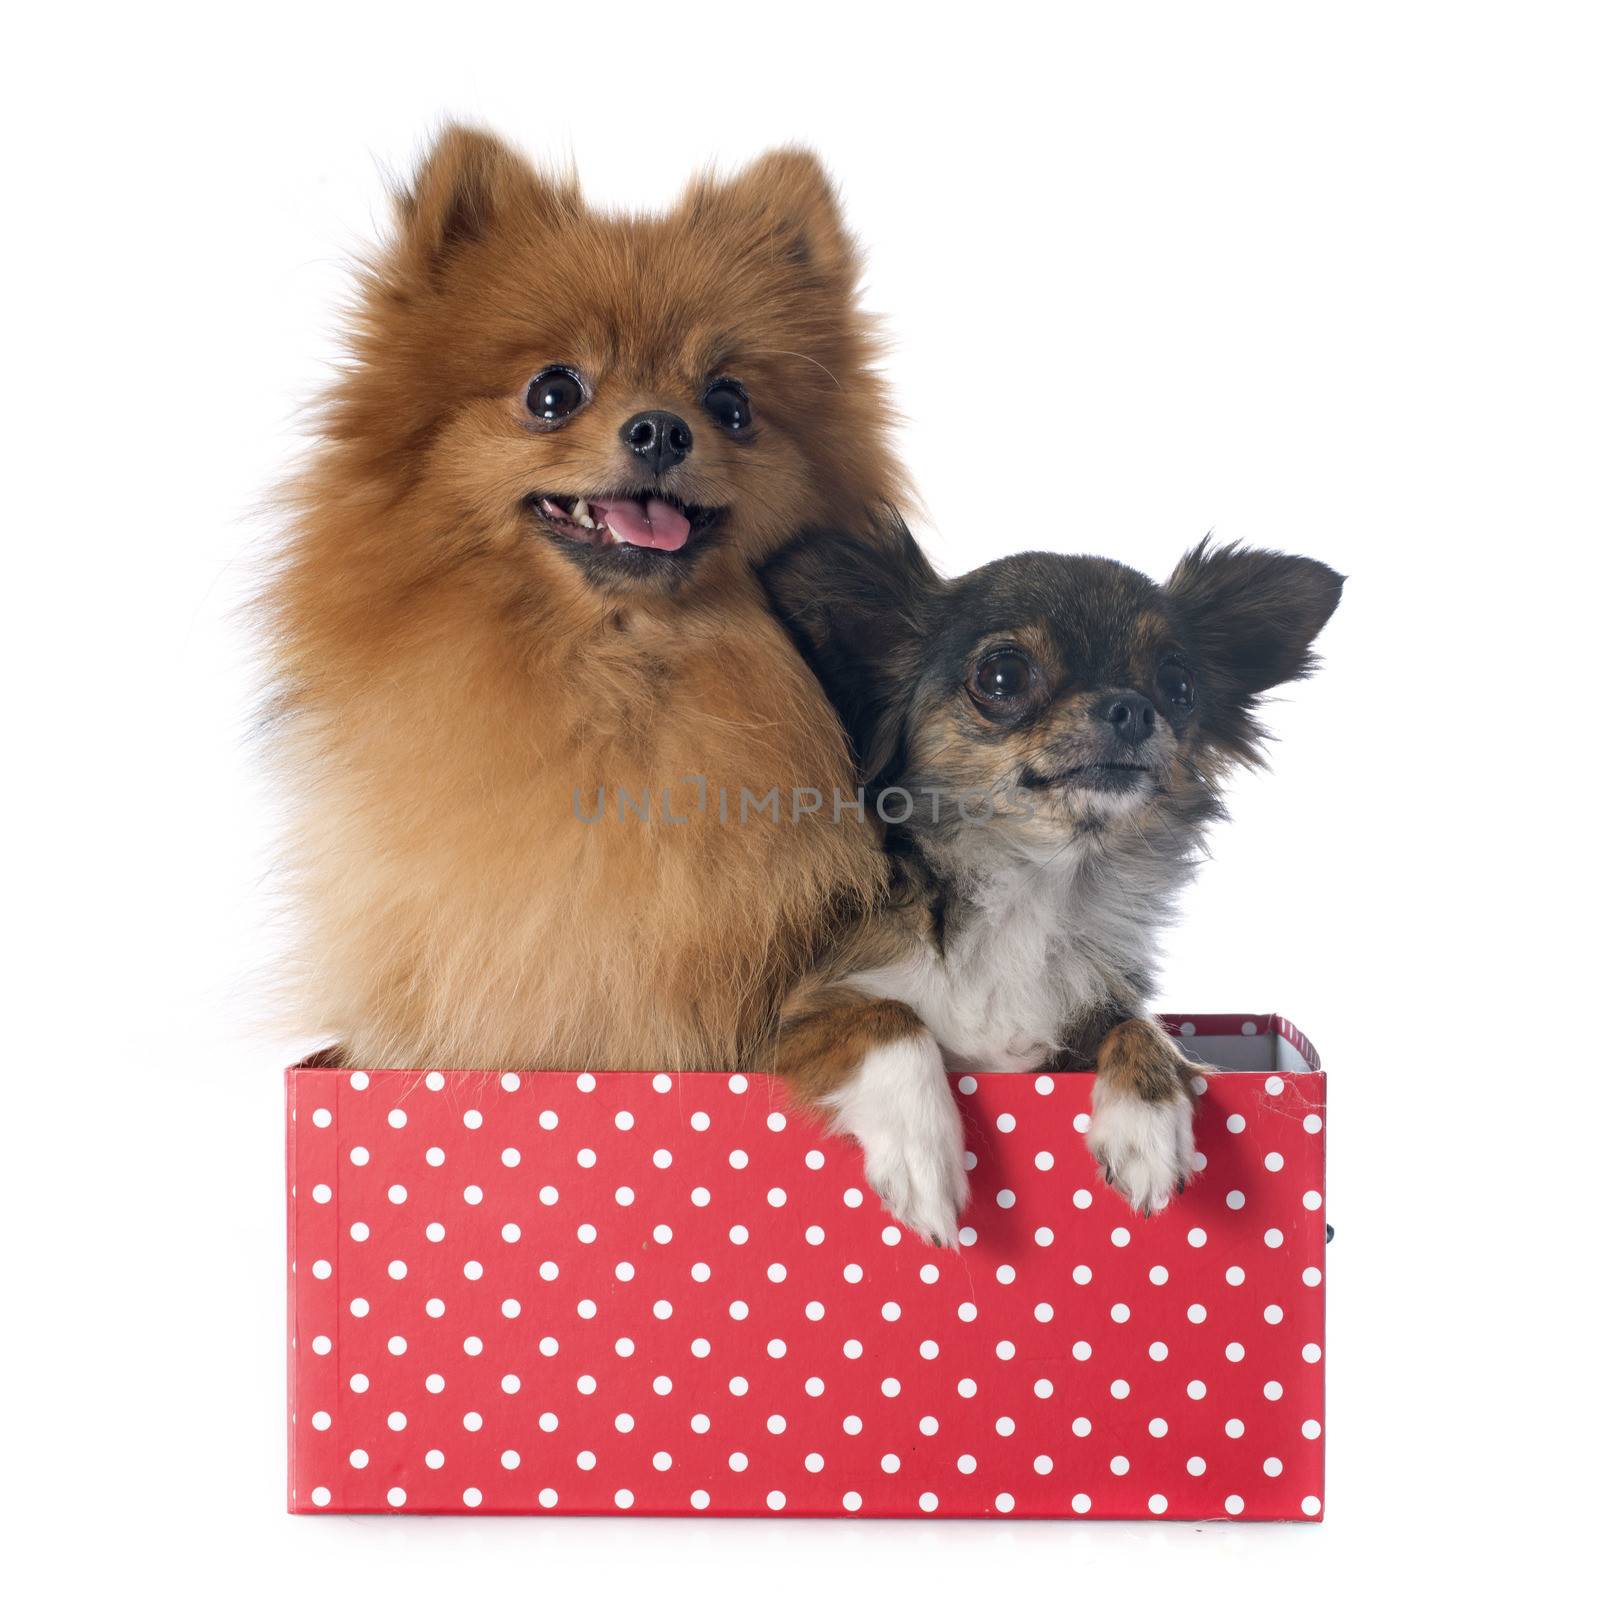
1033 946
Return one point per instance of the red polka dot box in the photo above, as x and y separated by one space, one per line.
635 1293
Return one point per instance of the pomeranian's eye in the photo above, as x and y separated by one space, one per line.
1176 682
1002 676
555 394
728 405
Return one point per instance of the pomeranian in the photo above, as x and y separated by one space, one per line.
518 605
1045 738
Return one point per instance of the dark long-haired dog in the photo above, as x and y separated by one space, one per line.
1045 737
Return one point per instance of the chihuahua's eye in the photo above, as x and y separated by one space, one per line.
728 406
1176 682
1002 676
555 394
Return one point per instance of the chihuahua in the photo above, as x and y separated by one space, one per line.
1044 739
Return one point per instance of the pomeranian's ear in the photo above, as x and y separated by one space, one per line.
469 186
856 611
789 198
1250 616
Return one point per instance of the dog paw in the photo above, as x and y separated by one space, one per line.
1145 1147
899 1109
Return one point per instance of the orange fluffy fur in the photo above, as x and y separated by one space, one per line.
446 677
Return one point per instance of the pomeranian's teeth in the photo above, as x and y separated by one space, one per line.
580 513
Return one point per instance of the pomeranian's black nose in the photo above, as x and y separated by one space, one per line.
659 439
1132 717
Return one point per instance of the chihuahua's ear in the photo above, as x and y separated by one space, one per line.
856 611
789 201
469 187
1251 617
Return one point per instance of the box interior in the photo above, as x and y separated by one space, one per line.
1255 1046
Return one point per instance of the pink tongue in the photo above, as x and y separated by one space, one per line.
656 525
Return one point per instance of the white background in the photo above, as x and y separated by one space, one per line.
1320 277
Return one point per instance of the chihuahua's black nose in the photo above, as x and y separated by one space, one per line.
659 439
1132 717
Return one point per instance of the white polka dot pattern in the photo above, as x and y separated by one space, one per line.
644 1293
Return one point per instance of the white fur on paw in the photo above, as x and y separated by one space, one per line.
1145 1147
899 1108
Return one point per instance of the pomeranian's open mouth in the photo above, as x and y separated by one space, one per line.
641 522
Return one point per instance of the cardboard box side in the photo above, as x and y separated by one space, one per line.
1295 1052
503 1114
290 1123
